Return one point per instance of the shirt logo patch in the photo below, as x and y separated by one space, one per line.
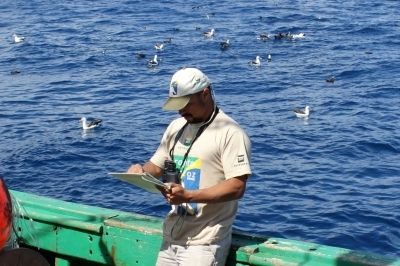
174 88
240 158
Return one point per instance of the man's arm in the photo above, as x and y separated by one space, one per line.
230 189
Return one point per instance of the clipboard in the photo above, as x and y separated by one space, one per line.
143 180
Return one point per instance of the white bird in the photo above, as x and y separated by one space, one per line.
153 62
17 39
302 113
269 57
91 124
209 34
256 62
159 46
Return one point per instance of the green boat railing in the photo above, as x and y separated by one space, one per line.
70 234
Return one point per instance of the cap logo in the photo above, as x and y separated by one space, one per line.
174 86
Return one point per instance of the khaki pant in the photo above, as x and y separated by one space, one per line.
196 255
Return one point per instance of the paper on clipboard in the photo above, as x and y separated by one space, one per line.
142 180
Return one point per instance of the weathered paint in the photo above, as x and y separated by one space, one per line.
75 234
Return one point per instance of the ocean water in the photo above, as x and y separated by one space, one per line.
333 179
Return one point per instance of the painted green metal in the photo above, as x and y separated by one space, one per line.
74 234
87 233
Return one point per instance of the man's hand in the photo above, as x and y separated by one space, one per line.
135 169
176 194
148 167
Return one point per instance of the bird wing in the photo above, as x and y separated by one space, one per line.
95 122
299 111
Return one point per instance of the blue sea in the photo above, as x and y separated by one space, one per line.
332 179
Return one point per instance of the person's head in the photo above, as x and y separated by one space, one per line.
190 94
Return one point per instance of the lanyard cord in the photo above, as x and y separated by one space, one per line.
199 132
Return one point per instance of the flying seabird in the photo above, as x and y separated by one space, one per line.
255 62
17 39
153 62
302 113
209 34
92 124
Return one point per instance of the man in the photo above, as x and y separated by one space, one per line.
212 155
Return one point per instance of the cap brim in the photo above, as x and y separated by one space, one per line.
176 103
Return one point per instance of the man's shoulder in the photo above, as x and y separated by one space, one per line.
226 120
177 122
228 126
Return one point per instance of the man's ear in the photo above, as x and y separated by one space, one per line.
206 91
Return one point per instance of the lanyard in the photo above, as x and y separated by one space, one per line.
199 132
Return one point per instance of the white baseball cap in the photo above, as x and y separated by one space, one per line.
184 83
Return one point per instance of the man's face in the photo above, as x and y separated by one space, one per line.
195 111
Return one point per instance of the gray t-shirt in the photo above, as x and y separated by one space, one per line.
221 152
